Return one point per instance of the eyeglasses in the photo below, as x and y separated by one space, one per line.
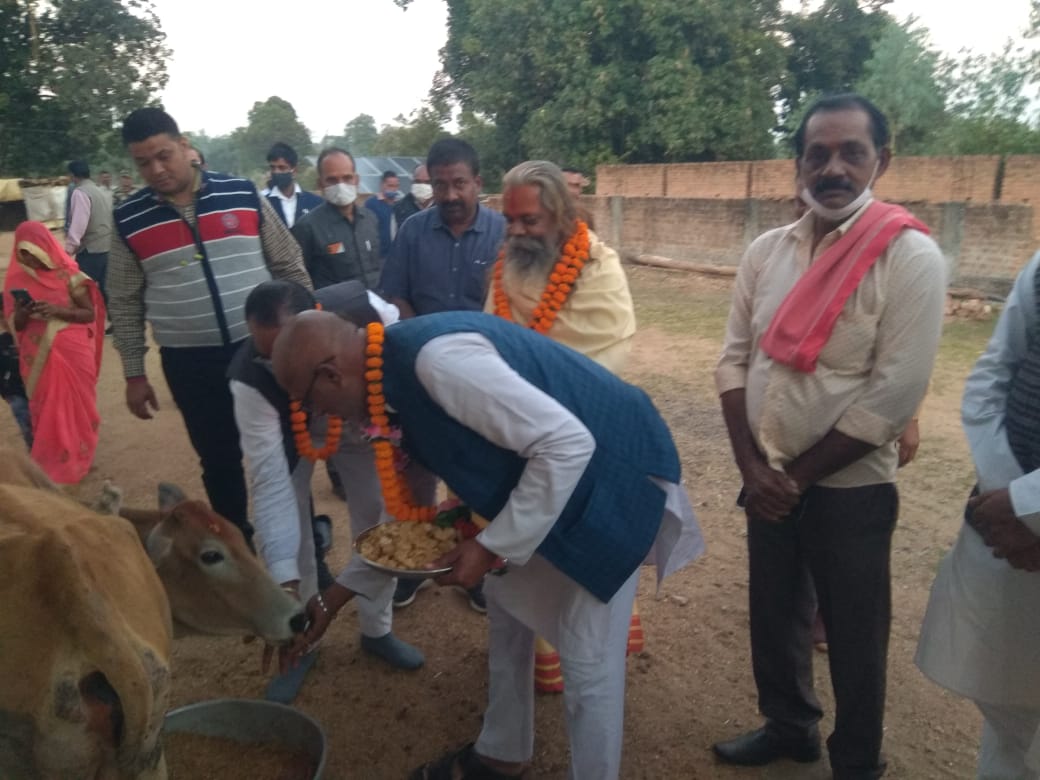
305 402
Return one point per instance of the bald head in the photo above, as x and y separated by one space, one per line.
318 359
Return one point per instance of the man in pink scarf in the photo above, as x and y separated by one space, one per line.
59 324
831 337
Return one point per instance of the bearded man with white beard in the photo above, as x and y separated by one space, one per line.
555 276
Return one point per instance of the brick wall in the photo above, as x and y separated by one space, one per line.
772 179
707 180
919 179
985 244
631 180
940 179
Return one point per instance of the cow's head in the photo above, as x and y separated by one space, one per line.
213 581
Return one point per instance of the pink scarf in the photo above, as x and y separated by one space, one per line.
804 321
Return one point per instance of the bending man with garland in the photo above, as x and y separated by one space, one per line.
278 441
557 278
577 471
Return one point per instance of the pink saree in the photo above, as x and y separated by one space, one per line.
59 360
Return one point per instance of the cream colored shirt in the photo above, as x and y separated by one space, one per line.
598 320
872 373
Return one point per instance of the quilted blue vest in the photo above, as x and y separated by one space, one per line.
611 520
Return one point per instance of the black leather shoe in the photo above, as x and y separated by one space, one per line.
761 746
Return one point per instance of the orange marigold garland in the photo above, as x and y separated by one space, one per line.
396 494
559 286
302 435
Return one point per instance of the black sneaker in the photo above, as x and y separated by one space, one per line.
476 598
404 593
321 525
325 577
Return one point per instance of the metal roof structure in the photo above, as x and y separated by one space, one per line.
370 170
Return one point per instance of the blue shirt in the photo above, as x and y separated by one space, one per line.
434 271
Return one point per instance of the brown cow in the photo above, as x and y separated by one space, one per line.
86 623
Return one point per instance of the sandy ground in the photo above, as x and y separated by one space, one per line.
693 683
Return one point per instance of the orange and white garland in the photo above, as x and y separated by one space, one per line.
396 494
557 289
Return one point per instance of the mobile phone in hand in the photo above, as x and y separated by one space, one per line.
22 296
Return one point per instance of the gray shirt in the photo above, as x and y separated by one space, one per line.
338 250
434 271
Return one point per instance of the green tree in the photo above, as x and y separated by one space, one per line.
360 135
827 50
412 135
268 122
903 78
69 72
989 104
631 80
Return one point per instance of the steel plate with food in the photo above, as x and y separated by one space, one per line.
402 548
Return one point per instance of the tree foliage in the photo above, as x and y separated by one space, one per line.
631 80
269 121
360 135
827 49
988 104
902 78
69 73
412 135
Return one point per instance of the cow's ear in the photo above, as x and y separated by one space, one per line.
169 496
158 545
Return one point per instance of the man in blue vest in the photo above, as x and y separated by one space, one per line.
578 474
188 248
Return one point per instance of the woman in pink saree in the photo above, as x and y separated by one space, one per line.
60 329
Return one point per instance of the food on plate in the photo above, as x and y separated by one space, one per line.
407 545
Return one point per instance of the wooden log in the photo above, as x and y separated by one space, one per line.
657 261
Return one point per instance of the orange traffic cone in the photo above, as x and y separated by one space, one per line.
635 632
548 676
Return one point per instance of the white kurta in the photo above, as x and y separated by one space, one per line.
457 370
981 633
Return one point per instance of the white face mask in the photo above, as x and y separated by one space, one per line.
340 194
844 212
421 191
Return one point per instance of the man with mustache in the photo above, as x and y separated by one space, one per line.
440 261
831 337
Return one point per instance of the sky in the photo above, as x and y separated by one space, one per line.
334 60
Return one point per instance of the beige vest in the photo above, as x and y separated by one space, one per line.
98 235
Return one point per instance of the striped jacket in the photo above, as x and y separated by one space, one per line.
197 276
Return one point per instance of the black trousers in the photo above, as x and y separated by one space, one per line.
197 377
95 265
835 547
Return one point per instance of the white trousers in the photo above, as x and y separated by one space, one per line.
591 638
355 462
1009 743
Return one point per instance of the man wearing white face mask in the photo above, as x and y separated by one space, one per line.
340 242
831 337
420 197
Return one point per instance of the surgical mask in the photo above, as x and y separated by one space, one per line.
843 213
340 194
282 180
422 191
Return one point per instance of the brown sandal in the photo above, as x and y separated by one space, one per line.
462 764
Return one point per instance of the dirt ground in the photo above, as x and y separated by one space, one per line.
693 684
